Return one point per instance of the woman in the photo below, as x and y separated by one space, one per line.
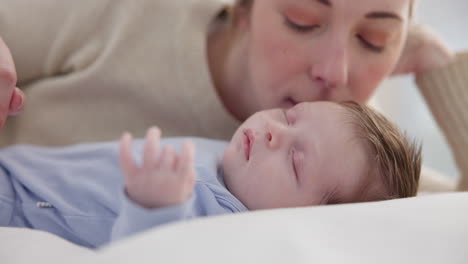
198 67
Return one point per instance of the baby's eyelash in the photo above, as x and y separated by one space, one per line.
329 197
294 164
285 116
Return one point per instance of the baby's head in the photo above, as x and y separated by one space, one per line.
320 153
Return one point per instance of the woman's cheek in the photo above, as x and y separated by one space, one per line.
272 50
368 78
280 60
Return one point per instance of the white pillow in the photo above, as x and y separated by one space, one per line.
426 229
25 246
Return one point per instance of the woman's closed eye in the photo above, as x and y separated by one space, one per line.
301 28
368 45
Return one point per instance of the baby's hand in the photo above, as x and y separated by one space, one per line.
164 179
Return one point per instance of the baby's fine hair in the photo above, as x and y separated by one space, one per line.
392 156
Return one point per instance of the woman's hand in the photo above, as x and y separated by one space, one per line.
164 178
423 52
11 98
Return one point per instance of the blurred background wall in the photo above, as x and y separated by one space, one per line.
399 98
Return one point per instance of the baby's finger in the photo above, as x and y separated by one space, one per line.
127 163
186 158
151 147
175 162
167 158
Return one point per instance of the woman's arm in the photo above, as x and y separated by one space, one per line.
424 51
442 77
445 90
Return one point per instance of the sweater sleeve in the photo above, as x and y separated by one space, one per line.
133 218
446 93
49 37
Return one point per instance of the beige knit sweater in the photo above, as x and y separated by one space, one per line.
92 69
446 93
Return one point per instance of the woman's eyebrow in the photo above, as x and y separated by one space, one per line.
325 2
383 15
371 15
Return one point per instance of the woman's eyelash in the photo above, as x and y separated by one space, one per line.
307 28
369 45
299 28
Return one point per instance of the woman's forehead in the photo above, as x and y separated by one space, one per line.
350 5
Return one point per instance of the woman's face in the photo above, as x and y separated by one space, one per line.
312 50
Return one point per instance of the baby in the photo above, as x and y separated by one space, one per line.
312 154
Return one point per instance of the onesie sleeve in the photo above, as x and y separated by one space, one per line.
133 218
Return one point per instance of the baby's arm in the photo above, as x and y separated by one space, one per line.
158 191
164 179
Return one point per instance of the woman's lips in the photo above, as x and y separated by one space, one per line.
290 102
248 142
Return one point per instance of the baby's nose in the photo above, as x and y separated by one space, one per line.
275 136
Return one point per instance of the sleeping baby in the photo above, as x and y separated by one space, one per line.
312 154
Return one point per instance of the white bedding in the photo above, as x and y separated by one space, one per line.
426 229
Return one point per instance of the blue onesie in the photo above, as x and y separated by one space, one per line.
76 192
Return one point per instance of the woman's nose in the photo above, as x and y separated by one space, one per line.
330 68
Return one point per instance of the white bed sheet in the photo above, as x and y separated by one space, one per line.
426 229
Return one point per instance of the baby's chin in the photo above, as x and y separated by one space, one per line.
225 160
229 154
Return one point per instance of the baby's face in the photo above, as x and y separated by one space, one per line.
306 155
